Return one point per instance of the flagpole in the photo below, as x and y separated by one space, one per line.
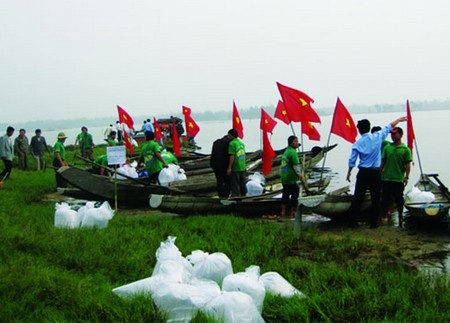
324 159
418 159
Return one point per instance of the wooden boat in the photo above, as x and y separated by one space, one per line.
103 187
436 211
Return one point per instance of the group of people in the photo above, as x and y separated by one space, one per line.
21 147
383 168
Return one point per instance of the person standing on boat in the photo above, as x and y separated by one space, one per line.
291 173
151 157
236 164
396 161
7 153
59 158
219 163
368 149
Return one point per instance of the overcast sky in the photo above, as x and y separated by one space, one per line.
80 58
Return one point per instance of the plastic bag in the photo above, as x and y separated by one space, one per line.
254 188
415 195
233 307
257 177
66 217
247 282
215 266
98 217
275 284
165 177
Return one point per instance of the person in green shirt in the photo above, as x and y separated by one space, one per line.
59 158
86 142
169 157
290 173
111 140
151 158
236 164
396 161
100 164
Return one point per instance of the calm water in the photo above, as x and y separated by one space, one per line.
431 129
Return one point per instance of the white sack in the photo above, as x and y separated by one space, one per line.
247 282
233 307
142 286
66 217
98 217
276 284
254 188
415 195
215 266
165 177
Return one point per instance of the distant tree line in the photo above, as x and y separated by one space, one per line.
253 112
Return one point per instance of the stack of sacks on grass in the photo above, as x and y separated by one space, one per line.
182 286
415 195
86 216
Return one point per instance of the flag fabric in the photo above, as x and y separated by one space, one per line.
267 123
175 139
186 110
311 131
298 105
267 154
343 124
125 118
127 142
192 127
157 128
409 127
281 113
237 122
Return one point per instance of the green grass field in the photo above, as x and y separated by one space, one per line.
50 274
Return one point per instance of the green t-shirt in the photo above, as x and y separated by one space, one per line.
85 140
148 154
169 158
395 160
59 147
237 148
288 161
101 160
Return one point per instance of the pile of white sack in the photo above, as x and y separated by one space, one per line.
182 286
173 173
255 184
129 170
415 195
86 216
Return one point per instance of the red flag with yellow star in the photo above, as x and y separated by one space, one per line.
125 118
157 128
298 105
267 123
310 130
237 122
192 127
281 113
343 124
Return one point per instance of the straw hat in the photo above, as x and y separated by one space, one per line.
62 135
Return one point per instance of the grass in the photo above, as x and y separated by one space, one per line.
61 275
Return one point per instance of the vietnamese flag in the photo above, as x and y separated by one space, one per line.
192 127
237 122
281 113
128 143
311 131
125 118
343 124
298 105
157 128
267 123
175 139
267 154
409 128
186 110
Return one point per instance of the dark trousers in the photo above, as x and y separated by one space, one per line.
367 178
223 182
237 184
392 192
290 195
7 170
60 181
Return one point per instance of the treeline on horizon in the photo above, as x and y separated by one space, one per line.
248 113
